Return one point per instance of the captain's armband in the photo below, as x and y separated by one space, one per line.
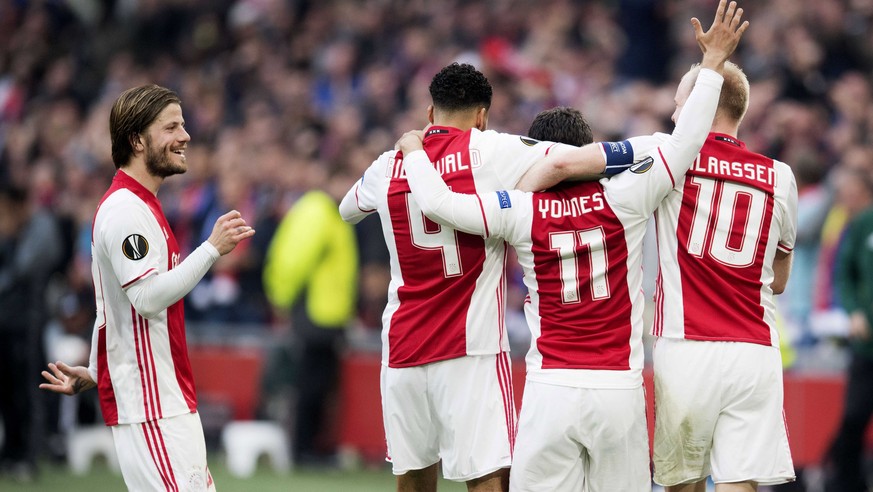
619 156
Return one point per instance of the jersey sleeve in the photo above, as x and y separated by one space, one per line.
155 293
656 171
788 234
131 238
515 155
486 214
363 198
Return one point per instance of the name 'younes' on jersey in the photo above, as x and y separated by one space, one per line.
580 245
447 292
718 233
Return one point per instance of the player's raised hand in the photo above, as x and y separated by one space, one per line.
720 41
67 380
228 231
410 142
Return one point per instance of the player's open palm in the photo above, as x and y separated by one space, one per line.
723 35
228 231
67 380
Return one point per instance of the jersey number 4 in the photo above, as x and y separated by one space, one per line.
429 235
592 241
732 226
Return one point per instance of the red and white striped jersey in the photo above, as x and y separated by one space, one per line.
718 232
447 292
143 372
580 245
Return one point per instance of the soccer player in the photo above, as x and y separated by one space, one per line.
583 413
139 359
446 387
725 236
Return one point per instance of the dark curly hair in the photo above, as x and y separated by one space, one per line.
460 86
563 125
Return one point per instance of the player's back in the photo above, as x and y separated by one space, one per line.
718 233
580 245
447 291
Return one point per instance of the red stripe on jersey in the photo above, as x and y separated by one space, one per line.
550 148
358 202
153 372
108 404
176 321
580 261
484 218
179 351
723 231
147 272
658 323
439 265
669 173
139 362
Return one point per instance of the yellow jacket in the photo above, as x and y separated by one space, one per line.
315 250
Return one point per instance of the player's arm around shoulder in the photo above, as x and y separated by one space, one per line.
470 213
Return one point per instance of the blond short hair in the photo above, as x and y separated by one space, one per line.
734 99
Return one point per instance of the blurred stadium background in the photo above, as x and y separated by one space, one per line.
285 96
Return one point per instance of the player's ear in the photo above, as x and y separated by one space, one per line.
136 142
482 119
430 113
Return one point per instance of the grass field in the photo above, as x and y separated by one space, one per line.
101 479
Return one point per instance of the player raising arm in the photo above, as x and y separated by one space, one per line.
583 413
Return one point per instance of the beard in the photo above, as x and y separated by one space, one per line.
159 162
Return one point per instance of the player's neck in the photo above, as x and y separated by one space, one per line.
462 120
726 128
462 124
137 170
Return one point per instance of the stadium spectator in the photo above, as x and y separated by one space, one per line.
139 359
31 250
845 472
311 274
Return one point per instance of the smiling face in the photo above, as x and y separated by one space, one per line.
165 141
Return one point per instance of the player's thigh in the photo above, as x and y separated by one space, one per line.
750 442
687 406
410 429
617 440
548 453
476 414
165 454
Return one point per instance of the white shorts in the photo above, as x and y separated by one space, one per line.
166 454
571 436
459 410
718 411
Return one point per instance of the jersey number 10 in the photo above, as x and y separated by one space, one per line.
732 226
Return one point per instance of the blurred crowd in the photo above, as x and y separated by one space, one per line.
285 96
